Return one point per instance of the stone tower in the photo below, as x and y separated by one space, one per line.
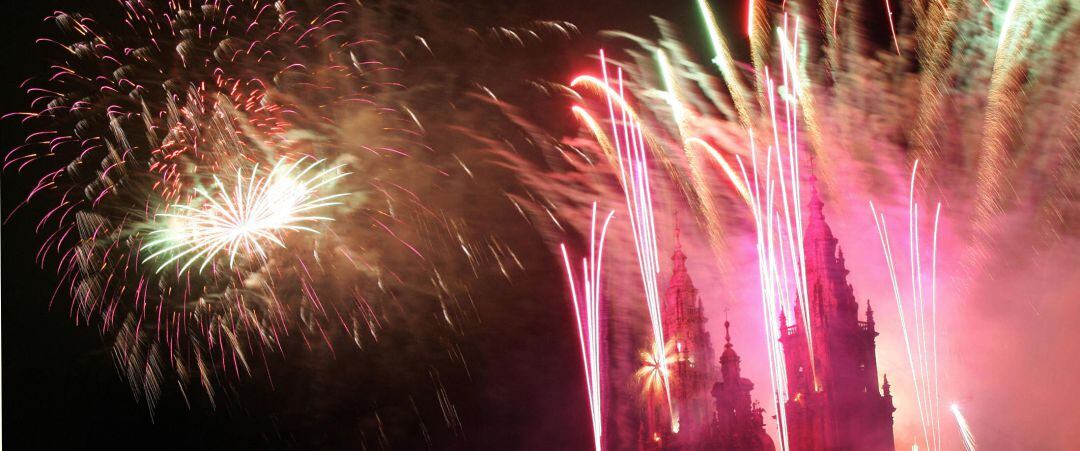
691 353
834 401
739 424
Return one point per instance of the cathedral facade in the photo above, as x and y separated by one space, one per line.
834 402
833 397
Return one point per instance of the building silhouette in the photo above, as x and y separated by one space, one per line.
691 360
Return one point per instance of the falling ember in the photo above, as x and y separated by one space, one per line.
965 431
244 214
587 313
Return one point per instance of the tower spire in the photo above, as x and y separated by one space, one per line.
678 231
727 330
678 257
816 204
729 359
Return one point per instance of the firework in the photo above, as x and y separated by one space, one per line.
726 64
973 92
652 376
245 215
778 223
965 431
630 147
587 314
922 355
241 178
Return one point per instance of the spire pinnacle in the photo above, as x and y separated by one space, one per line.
727 330
678 256
816 204
678 231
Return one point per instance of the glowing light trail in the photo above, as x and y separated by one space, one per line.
726 64
921 340
965 430
729 171
587 314
892 27
773 193
630 146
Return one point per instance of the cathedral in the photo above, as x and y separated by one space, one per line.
833 398
711 410
834 402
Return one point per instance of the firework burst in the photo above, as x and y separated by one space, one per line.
242 217
233 176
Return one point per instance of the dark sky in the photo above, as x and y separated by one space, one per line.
61 389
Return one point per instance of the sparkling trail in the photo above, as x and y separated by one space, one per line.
631 147
921 343
965 430
726 63
589 333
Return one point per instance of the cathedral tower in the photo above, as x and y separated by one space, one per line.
834 401
690 352
739 424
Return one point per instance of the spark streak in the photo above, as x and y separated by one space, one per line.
965 431
726 64
631 146
588 320
920 343
778 224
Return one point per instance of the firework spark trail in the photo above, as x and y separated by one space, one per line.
630 145
726 64
892 27
879 221
241 218
1003 119
1006 23
729 171
702 193
921 341
771 296
793 86
589 328
776 207
965 430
